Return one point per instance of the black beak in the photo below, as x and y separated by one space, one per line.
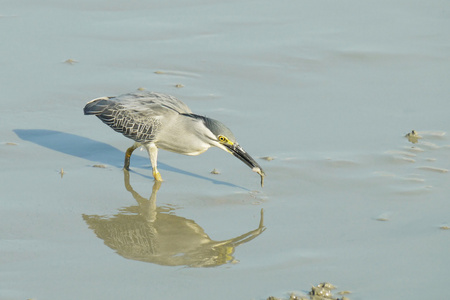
240 153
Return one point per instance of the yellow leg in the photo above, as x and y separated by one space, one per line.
153 153
157 175
128 153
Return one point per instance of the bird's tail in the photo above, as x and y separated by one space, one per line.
96 106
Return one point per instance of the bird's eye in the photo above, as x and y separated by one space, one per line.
223 139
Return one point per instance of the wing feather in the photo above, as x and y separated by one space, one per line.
137 116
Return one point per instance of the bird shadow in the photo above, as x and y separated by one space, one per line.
89 149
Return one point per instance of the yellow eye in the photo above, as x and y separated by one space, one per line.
223 139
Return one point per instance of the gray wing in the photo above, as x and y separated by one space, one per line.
137 116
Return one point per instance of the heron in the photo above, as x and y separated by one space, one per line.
159 121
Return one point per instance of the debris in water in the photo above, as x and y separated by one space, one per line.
99 166
383 217
344 293
268 158
322 291
413 137
70 61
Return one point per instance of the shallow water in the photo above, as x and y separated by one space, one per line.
328 89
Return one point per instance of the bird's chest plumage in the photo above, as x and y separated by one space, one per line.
183 135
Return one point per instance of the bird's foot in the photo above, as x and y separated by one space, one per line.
157 176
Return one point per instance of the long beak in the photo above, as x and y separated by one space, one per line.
240 153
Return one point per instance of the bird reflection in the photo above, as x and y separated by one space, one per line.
152 233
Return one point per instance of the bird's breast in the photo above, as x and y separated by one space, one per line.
186 147
183 135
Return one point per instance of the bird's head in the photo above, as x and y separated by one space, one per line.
225 140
